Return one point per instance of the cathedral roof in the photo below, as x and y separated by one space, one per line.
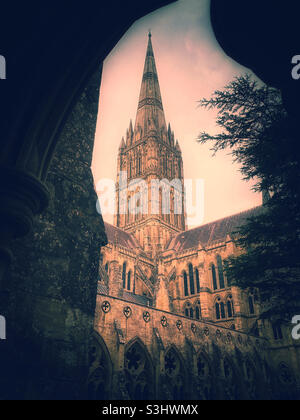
120 237
211 232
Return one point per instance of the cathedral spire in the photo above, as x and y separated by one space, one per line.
150 109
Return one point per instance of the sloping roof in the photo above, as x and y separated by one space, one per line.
119 236
102 289
211 232
130 297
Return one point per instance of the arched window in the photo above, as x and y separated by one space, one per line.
124 275
191 275
218 312
185 281
139 379
175 376
214 276
221 272
197 280
100 376
129 281
251 305
106 267
223 314
198 310
191 313
189 310
230 307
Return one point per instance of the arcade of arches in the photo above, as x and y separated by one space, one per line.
48 113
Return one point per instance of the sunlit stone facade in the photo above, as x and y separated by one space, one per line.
168 324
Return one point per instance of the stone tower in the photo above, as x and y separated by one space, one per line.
150 199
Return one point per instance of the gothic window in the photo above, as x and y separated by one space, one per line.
197 280
139 373
218 312
204 384
277 332
251 305
214 276
188 311
175 375
221 272
191 276
222 307
106 267
124 275
185 281
230 385
99 380
129 281
198 310
230 307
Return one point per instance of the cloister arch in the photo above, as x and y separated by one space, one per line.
204 391
175 373
100 374
139 371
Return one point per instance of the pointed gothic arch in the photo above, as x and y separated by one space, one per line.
124 272
230 388
214 276
100 372
139 371
204 381
198 286
175 373
197 309
220 272
191 278
185 283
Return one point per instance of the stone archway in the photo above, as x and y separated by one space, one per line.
100 376
139 372
175 375
204 380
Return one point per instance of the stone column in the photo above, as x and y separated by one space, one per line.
22 196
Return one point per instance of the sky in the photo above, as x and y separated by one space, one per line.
191 65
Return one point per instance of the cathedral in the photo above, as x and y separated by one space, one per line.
168 323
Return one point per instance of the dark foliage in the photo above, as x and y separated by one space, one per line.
264 140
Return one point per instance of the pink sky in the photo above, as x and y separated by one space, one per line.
190 65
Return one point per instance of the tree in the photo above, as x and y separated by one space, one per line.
264 140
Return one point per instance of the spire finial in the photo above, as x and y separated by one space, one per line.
149 33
